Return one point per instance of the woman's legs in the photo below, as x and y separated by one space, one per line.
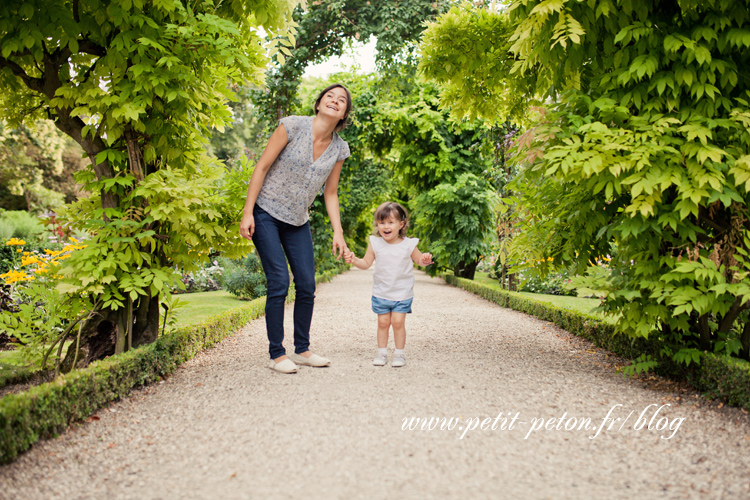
271 252
297 243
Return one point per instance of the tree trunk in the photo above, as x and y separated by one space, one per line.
705 333
146 327
745 340
464 270
106 333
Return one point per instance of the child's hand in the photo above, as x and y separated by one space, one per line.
426 259
349 257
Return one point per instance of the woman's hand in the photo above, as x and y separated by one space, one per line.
339 247
247 226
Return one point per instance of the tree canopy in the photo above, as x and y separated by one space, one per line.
139 85
643 153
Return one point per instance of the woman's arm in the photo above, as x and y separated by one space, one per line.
276 143
331 196
363 263
421 259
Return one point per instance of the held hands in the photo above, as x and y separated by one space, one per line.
349 257
425 260
338 247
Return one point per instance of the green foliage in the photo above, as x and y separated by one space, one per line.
648 154
644 145
325 28
36 167
442 165
467 52
457 219
38 318
40 323
19 224
553 283
209 277
244 278
138 85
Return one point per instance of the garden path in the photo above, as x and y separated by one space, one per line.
225 426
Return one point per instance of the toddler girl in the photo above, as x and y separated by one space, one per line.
393 278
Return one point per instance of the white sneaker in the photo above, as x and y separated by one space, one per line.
398 361
380 360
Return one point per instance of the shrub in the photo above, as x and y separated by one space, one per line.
206 279
19 224
554 283
244 278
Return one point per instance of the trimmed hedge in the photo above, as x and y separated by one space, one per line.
46 410
716 376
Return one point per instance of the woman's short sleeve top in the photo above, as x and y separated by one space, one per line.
294 179
393 278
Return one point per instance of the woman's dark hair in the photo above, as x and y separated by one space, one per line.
391 209
342 124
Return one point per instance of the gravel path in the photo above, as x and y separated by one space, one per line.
225 426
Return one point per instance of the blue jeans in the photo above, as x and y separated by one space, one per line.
273 240
384 306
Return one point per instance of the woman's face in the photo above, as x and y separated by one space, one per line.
333 103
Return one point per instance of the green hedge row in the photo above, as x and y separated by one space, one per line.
48 409
717 376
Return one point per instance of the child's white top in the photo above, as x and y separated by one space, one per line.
393 278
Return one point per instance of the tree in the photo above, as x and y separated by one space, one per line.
138 85
325 28
443 167
36 167
645 151
466 51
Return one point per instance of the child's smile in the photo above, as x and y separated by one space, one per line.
389 229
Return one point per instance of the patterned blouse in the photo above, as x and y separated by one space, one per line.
294 179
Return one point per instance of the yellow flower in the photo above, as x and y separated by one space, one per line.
73 240
19 251
27 253
14 241
28 261
13 276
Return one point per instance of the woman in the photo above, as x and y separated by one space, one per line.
303 154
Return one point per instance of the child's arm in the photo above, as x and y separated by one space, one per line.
421 259
363 263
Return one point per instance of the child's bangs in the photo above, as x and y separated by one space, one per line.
385 213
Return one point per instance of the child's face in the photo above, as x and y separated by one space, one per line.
389 228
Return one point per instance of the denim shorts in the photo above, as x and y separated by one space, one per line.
383 306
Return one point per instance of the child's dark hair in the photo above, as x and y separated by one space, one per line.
391 209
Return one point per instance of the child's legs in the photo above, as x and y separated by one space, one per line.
398 320
384 325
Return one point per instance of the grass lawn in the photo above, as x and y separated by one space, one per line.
198 306
195 307
8 370
579 304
